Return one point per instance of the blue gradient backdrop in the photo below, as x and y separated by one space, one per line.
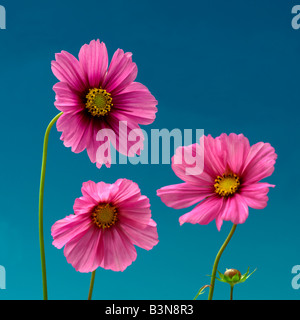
213 65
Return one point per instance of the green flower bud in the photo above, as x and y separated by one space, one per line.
233 276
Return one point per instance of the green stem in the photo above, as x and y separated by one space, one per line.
215 266
201 291
92 285
231 292
41 203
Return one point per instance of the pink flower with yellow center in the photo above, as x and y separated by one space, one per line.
94 96
229 183
109 220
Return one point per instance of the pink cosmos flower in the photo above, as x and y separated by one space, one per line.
229 183
94 97
109 220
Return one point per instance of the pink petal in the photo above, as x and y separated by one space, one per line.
183 195
99 149
204 212
84 205
66 99
82 251
259 163
67 69
255 195
133 208
236 147
128 135
128 191
144 238
66 229
90 190
235 210
136 214
100 192
94 61
121 72
87 136
80 132
214 154
75 130
187 164
136 103
119 252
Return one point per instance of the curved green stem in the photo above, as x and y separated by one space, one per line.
92 285
201 291
215 266
41 203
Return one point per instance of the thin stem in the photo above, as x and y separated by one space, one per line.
92 285
231 292
215 266
201 291
41 203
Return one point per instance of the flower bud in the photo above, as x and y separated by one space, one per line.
233 276
230 273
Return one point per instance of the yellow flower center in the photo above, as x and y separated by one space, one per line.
105 216
227 184
99 102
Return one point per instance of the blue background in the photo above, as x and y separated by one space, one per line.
213 65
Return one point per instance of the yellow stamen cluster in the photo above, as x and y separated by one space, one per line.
227 184
105 216
99 102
